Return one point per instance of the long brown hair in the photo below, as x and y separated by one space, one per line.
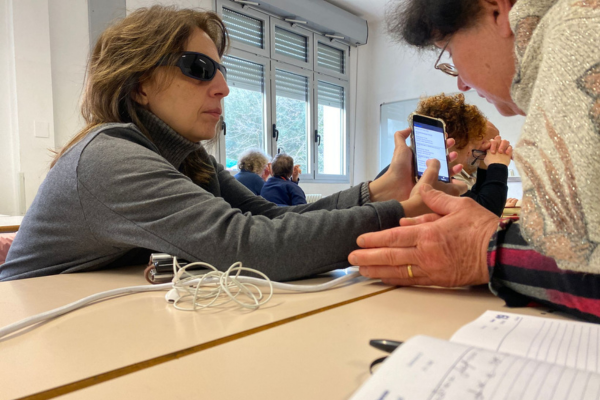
126 53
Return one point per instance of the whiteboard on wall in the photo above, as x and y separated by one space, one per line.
394 117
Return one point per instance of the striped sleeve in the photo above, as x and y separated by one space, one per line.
521 276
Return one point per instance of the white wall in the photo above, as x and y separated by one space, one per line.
44 49
8 143
33 80
69 43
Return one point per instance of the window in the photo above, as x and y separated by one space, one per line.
331 129
288 93
244 108
291 45
330 58
244 29
292 116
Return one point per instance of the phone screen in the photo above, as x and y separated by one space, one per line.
430 142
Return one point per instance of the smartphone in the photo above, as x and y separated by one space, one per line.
428 140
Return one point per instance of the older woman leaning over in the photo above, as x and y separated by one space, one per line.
539 58
138 177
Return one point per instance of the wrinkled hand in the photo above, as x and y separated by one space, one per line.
296 173
500 152
398 182
444 249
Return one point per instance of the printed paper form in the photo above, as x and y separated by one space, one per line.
433 369
568 343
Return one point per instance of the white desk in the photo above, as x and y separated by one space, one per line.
127 333
324 356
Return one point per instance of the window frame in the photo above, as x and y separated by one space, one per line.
267 110
346 85
275 65
294 28
266 50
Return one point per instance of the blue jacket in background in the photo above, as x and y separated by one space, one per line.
251 180
283 192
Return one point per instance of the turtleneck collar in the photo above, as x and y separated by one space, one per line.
172 146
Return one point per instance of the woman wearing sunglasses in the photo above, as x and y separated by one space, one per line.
138 177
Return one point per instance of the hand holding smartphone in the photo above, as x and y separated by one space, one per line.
428 140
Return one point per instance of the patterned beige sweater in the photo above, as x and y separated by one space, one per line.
557 84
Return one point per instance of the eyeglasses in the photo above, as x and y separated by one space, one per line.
478 155
196 65
445 67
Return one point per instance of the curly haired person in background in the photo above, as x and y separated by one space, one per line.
474 135
254 168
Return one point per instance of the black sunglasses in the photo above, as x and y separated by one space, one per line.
196 65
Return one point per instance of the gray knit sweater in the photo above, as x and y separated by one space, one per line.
117 192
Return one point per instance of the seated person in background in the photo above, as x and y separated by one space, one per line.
282 188
254 170
474 135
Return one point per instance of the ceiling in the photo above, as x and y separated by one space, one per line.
371 10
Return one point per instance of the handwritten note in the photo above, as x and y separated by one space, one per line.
566 343
499 356
433 369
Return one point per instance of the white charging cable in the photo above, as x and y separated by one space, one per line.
214 285
203 290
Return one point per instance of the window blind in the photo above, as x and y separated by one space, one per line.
244 74
291 44
330 58
331 95
244 29
291 85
